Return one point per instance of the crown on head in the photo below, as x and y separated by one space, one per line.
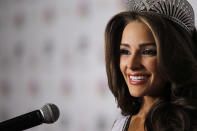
178 11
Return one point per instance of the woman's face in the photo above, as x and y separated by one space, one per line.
138 61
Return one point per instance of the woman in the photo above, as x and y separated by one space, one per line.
151 63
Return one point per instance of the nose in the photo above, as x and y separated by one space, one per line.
135 62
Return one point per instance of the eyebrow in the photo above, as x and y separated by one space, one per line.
141 45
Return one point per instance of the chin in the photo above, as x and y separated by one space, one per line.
136 94
137 91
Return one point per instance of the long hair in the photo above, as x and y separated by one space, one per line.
177 62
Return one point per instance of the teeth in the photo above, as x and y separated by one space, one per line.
137 78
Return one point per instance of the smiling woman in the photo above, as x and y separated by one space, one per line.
151 63
138 61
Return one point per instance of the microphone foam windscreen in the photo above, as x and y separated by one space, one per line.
50 113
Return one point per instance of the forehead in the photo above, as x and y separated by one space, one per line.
137 32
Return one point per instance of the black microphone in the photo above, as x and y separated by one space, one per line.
49 113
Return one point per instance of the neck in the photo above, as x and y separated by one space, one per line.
147 104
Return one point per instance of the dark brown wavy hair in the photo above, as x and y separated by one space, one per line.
177 62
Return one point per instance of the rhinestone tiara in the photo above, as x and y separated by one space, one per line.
178 11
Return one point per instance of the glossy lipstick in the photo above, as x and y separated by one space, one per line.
138 79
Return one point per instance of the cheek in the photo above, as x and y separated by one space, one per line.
151 66
123 64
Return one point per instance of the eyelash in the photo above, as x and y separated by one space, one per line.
151 52
124 52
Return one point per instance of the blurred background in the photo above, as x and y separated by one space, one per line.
52 51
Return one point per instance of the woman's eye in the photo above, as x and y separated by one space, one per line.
124 52
149 52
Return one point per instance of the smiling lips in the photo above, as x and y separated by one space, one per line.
138 79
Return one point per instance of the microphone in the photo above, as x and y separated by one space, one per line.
49 113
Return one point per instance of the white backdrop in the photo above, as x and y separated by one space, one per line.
52 51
